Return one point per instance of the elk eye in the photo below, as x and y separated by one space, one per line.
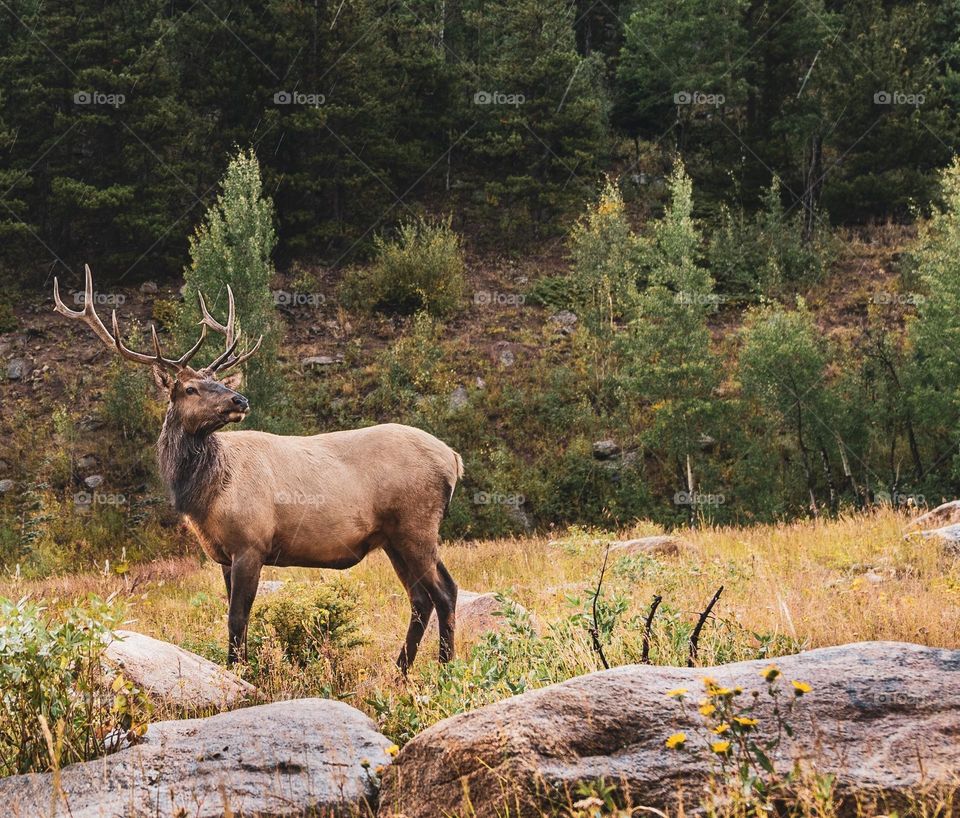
191 390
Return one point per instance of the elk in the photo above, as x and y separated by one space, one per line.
324 501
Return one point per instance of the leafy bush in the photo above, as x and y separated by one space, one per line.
421 269
310 621
767 253
605 262
52 681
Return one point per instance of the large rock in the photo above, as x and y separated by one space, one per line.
660 545
884 717
295 758
943 515
476 614
176 675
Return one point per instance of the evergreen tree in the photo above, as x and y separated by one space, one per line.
233 246
667 350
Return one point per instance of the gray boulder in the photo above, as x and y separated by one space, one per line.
293 758
882 716
175 675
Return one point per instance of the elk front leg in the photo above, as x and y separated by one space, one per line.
244 579
226 579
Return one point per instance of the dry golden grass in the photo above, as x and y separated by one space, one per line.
815 583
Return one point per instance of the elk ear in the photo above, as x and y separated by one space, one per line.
234 381
164 380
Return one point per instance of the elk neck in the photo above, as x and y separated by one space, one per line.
192 466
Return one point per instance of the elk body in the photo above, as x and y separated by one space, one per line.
254 499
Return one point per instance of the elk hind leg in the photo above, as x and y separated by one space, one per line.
421 606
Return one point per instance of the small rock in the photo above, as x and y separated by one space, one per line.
269 586
459 399
87 461
149 288
481 383
5 486
91 423
175 675
16 369
665 545
321 360
605 449
949 534
565 320
93 481
872 578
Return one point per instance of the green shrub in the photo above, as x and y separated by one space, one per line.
311 621
421 269
52 680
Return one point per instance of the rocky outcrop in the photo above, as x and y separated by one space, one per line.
883 717
294 758
176 675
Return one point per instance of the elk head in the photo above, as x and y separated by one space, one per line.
198 398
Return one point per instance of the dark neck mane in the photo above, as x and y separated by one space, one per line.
192 466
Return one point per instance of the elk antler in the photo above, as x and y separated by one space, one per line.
89 316
227 359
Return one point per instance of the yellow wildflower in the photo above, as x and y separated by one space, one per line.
799 688
676 741
770 672
707 709
720 729
677 692
392 750
746 723
721 748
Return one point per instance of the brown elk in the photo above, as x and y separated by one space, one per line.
325 501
